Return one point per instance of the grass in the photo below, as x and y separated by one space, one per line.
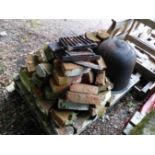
138 130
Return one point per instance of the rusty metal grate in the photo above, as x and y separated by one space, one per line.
77 43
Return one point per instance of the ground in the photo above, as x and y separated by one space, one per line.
17 38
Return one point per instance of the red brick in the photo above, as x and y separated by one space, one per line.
84 98
84 88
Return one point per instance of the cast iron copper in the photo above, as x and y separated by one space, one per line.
120 58
77 43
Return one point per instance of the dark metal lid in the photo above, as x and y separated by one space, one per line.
120 58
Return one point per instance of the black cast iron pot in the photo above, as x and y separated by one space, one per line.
120 58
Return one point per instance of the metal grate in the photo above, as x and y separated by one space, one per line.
77 43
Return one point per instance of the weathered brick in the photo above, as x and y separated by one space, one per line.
70 66
64 104
101 109
103 34
25 79
31 62
50 95
64 80
84 98
102 88
44 106
49 53
76 79
92 36
100 78
36 80
109 84
84 88
107 97
101 63
41 55
57 88
59 77
43 70
37 92
70 69
88 78
103 82
62 118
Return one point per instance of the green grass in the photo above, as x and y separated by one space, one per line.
138 130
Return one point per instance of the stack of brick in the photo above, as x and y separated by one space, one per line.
66 90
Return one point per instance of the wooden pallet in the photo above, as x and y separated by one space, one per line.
47 124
